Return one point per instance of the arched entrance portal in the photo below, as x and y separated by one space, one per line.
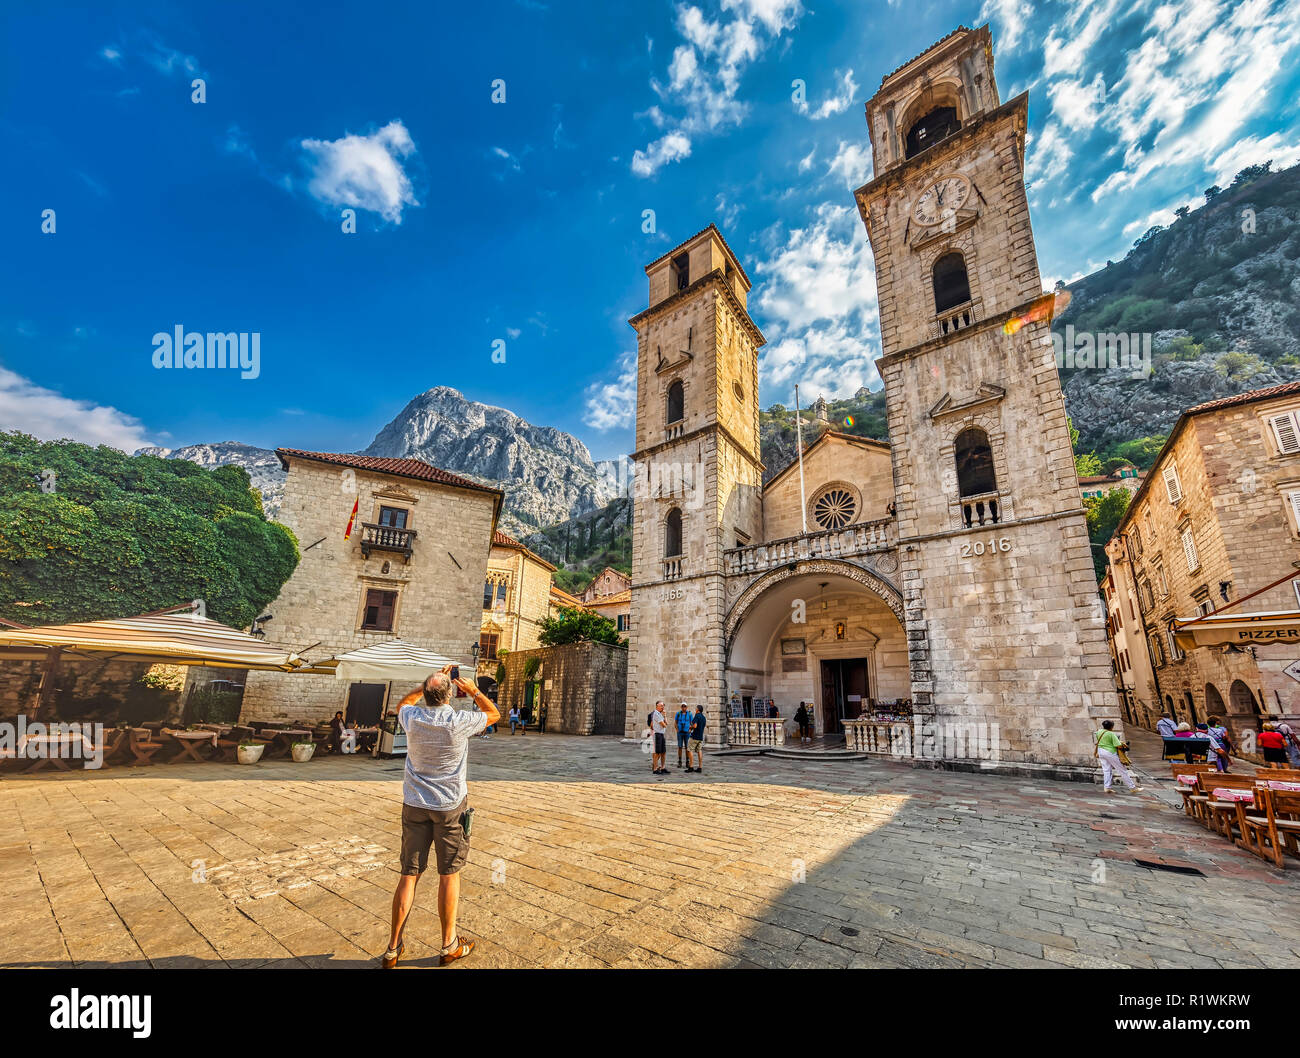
826 633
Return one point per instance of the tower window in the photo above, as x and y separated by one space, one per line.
681 271
937 125
676 402
974 463
951 287
673 533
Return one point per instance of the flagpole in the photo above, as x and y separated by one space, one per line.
798 432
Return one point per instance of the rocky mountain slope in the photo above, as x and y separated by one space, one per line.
548 475
1216 293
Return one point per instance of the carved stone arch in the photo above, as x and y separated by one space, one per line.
991 424
940 92
963 242
883 588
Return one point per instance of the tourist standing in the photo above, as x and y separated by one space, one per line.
659 729
696 744
1292 743
1165 726
515 721
435 803
1273 745
683 734
1106 745
802 719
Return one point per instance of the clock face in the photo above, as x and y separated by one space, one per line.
941 200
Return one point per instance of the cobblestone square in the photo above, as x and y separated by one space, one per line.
582 859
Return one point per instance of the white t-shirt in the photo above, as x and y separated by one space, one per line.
658 722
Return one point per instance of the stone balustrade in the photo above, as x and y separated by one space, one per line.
859 539
888 738
756 731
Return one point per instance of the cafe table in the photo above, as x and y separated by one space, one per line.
191 742
283 739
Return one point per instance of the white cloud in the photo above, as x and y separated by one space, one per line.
667 149
705 71
836 102
612 405
48 415
819 308
365 172
806 162
852 164
1009 18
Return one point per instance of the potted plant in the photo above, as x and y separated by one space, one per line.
250 752
302 751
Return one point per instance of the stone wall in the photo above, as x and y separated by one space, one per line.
863 469
582 685
87 689
319 610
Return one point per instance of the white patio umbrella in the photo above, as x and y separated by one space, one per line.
392 660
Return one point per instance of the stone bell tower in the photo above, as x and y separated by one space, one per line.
1002 612
699 477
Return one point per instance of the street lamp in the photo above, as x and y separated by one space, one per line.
474 653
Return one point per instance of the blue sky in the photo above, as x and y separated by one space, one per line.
522 221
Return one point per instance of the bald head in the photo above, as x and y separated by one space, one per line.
437 689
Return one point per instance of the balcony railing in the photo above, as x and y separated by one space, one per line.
957 318
756 731
860 539
672 568
386 538
983 509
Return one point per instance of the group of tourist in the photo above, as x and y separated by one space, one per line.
690 738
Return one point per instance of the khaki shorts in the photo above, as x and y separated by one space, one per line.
693 746
422 827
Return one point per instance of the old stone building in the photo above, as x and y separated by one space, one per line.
517 598
414 568
582 687
610 595
1216 520
947 575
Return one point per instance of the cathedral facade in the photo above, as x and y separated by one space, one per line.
942 581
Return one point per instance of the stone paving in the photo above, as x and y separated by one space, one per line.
581 858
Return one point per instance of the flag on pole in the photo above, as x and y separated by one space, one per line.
347 535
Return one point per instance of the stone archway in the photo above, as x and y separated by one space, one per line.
873 582
1214 703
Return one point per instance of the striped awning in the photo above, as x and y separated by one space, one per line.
392 659
1271 628
176 639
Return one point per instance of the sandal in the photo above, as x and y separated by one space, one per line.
461 950
386 963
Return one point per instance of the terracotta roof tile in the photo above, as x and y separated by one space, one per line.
400 468
1249 397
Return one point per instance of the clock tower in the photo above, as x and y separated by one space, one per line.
1003 619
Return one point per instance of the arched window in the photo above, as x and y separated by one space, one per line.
938 124
673 533
951 286
974 463
676 402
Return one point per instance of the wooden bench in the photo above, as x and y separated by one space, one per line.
1275 820
1223 815
1194 801
142 746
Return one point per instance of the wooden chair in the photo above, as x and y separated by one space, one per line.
1284 774
142 746
228 746
1273 824
1222 816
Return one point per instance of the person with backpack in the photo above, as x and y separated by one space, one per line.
1106 746
804 721
683 734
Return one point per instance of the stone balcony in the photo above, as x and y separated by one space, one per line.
863 538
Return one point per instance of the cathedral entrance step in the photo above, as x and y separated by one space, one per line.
793 753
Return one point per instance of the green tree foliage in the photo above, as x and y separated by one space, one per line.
578 626
92 533
1086 464
1141 452
1104 513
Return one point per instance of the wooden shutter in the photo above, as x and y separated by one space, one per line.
1173 487
1287 432
1189 550
1294 497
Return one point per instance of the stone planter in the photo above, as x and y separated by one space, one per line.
302 751
250 754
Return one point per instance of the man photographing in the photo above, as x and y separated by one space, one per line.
435 809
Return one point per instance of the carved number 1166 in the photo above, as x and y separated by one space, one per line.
1002 543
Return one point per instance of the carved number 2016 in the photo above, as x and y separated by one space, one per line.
1002 543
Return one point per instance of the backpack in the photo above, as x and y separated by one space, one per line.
650 718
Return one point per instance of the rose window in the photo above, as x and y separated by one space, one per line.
834 508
